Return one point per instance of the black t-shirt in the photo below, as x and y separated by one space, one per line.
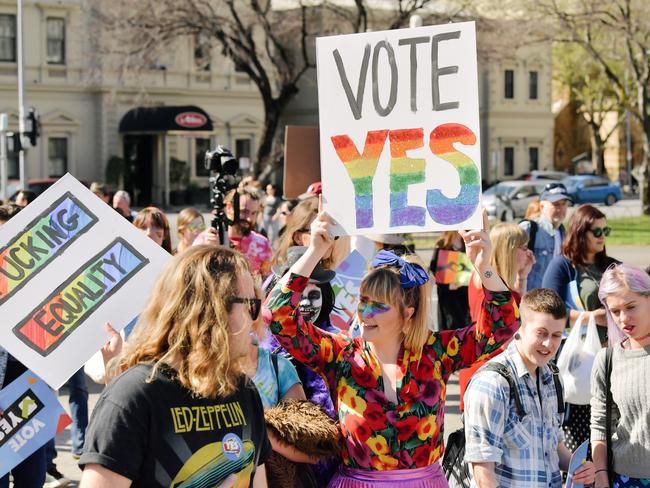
158 434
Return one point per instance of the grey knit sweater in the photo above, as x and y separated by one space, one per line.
630 383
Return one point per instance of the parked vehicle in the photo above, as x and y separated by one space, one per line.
509 200
39 185
593 189
544 175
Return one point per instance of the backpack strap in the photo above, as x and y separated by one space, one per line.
274 362
532 233
608 413
558 386
505 371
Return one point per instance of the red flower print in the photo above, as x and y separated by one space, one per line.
364 377
405 427
359 452
358 427
409 391
468 352
421 455
375 416
424 370
430 392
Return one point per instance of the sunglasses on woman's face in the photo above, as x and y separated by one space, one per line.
600 231
254 305
196 227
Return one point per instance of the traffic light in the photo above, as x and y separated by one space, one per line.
34 130
14 145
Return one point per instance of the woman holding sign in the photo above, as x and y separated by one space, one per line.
389 383
184 412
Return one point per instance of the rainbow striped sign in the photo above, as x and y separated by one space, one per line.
43 239
83 292
399 129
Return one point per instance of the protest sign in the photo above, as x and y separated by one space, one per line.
399 129
32 415
69 263
346 285
301 159
453 267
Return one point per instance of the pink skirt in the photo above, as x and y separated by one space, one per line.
427 477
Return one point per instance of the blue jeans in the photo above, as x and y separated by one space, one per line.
30 473
79 413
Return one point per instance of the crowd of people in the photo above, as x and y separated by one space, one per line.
238 334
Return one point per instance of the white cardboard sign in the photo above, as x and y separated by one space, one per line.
69 263
399 129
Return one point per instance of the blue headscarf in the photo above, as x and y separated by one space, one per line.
410 274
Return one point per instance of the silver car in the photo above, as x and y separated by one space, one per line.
509 200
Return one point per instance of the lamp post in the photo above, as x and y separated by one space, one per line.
21 91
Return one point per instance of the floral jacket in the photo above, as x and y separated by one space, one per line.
379 434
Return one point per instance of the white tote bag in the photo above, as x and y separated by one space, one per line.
577 358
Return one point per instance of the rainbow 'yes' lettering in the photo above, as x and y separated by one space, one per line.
405 171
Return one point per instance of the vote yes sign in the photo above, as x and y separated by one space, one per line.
399 129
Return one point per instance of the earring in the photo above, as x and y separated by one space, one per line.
517 336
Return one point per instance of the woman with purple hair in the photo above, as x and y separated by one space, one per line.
620 387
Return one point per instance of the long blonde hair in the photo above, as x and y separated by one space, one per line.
506 238
185 218
383 284
185 323
300 220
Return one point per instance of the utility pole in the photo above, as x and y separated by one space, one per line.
21 92
4 125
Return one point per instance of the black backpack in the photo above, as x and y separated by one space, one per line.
453 464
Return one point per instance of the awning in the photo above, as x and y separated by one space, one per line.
163 119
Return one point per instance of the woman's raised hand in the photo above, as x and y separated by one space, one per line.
321 235
478 246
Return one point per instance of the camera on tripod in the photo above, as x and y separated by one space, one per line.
223 167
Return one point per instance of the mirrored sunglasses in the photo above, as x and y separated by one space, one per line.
196 227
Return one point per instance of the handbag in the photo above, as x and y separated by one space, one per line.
577 358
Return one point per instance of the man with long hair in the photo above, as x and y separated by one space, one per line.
183 410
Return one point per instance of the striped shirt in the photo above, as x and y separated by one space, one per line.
524 450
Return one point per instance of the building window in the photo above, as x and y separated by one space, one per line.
202 52
508 161
509 87
55 40
8 38
200 147
57 153
533 158
532 85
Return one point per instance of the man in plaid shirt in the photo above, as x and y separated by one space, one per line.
503 449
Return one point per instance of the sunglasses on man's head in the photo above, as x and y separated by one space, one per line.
254 305
600 231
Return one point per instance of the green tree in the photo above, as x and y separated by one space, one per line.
592 93
612 34
272 45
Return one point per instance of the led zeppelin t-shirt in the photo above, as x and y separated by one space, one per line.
157 434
